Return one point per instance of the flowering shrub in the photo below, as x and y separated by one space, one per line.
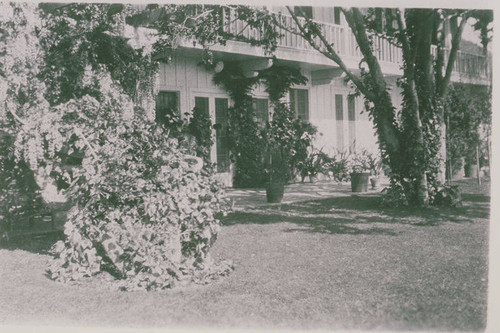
450 196
146 211
20 197
294 139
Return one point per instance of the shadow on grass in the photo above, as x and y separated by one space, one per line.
311 223
468 197
332 214
40 244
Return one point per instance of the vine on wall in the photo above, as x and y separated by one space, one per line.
249 140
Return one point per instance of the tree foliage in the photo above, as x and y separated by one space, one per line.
81 36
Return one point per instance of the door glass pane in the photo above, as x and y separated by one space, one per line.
336 13
351 108
261 110
303 104
201 104
299 103
167 107
351 114
339 112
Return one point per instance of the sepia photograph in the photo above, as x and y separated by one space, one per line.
247 166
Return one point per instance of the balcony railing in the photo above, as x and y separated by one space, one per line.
345 45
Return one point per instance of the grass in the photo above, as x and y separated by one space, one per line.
334 263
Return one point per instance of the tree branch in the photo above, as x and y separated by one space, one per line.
355 20
455 45
79 133
403 37
329 53
16 117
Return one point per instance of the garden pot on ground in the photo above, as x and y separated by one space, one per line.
274 192
359 181
375 182
471 170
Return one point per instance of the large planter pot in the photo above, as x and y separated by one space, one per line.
359 181
274 192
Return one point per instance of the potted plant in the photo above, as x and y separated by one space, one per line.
315 164
276 172
375 165
338 166
360 171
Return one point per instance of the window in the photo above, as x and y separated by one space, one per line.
223 161
351 114
303 11
336 15
339 116
260 108
299 103
201 104
351 108
339 108
167 107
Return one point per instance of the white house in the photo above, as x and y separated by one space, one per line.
324 101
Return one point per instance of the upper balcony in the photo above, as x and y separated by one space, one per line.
468 68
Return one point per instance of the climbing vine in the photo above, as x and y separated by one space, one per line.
250 138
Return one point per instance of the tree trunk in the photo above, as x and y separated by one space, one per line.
383 111
441 175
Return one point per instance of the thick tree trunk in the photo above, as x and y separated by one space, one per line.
383 113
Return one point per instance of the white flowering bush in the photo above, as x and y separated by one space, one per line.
146 211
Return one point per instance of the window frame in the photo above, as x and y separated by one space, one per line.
295 103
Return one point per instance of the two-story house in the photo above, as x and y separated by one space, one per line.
324 101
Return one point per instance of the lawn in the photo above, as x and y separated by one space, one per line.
335 263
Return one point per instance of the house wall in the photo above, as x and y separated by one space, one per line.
183 74
332 132
322 110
